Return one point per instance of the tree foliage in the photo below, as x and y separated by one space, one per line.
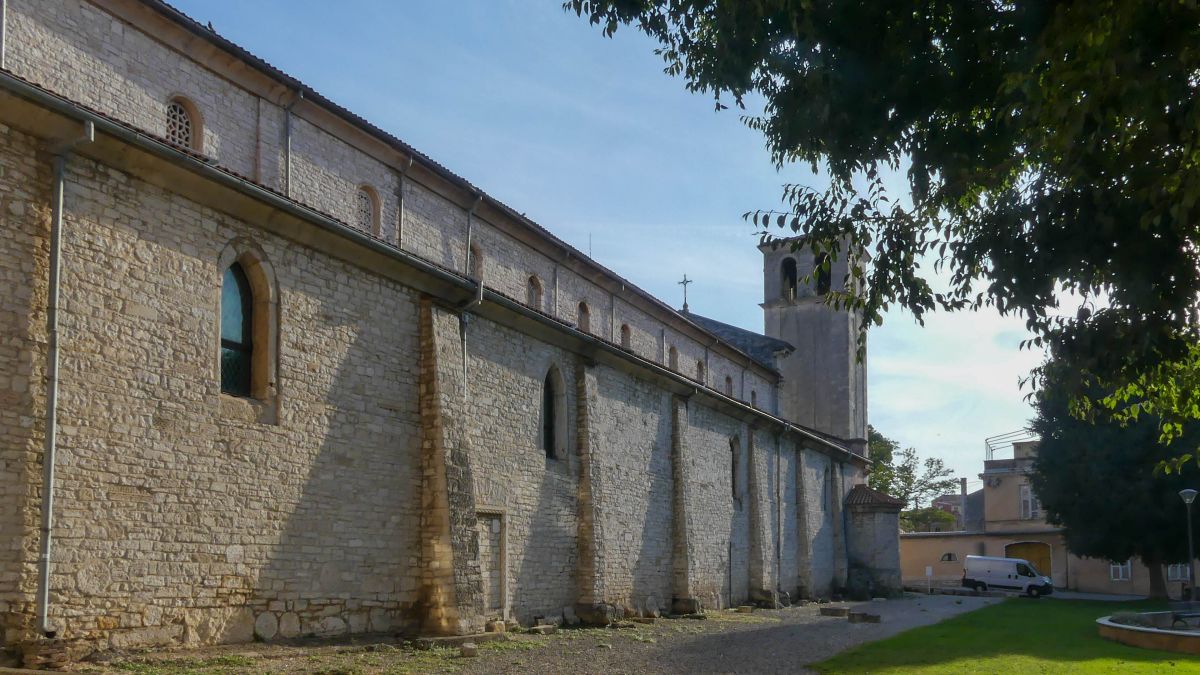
902 474
1098 481
925 520
1044 147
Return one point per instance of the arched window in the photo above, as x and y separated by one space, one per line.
237 329
554 427
366 210
753 399
728 386
476 262
625 336
788 274
822 273
700 371
673 358
533 293
183 124
247 352
585 318
949 557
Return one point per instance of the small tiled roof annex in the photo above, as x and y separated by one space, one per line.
861 495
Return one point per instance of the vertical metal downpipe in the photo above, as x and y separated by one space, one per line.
3 33
51 446
287 144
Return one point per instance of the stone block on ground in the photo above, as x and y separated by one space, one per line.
44 654
497 626
451 641
835 611
685 606
598 614
745 609
543 629
468 649
862 617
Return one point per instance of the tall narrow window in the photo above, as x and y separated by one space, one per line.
788 273
585 318
533 293
553 412
181 129
1031 509
700 371
821 273
753 399
366 210
625 336
735 452
673 358
237 323
728 386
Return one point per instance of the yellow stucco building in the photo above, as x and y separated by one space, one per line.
1005 518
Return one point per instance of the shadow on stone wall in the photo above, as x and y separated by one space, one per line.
545 571
651 589
346 558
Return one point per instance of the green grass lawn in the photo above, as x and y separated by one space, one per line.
1016 636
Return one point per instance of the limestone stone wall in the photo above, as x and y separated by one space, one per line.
817 490
84 53
537 494
337 504
209 518
81 50
718 521
634 467
23 273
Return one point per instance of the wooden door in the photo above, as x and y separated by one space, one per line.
1036 552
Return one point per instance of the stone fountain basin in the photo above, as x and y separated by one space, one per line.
1160 635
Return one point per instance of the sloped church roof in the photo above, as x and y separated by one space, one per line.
759 347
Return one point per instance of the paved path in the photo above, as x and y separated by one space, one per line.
1107 597
775 641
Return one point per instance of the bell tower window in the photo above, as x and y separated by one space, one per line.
821 273
788 278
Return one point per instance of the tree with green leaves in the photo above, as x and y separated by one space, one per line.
902 474
926 520
1098 481
1041 148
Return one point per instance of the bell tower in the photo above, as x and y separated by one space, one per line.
824 385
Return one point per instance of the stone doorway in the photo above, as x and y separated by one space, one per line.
490 527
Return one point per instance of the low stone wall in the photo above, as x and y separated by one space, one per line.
1165 639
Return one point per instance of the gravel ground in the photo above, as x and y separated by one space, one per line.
766 641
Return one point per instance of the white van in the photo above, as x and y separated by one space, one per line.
982 572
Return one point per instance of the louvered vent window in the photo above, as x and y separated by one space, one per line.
179 125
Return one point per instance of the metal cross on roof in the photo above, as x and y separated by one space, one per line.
685 283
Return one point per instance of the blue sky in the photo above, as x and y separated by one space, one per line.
587 136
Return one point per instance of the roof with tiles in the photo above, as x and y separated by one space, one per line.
861 495
759 347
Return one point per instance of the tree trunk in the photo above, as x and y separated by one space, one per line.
1158 586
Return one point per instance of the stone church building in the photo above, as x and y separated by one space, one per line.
269 371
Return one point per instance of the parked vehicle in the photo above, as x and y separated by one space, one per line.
982 572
